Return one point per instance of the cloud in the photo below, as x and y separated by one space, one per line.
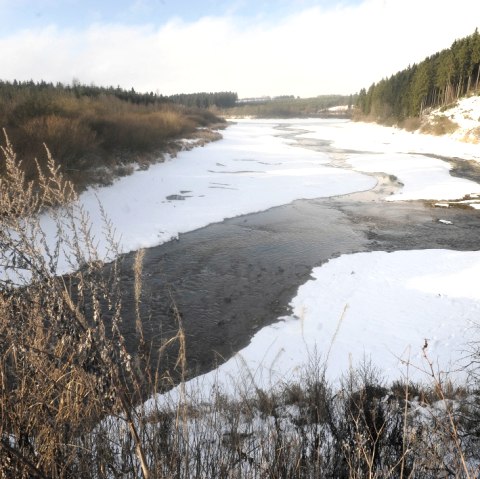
314 51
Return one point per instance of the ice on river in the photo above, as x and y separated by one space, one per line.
423 178
370 137
253 168
249 170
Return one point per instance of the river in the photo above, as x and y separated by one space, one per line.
230 279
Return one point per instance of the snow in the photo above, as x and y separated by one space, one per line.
370 137
422 177
249 170
253 169
339 108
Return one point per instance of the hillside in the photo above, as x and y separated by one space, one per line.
322 106
461 120
437 81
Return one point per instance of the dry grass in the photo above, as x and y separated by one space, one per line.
439 125
64 363
411 124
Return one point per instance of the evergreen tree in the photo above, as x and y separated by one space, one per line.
437 80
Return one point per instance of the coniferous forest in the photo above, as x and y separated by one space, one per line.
437 81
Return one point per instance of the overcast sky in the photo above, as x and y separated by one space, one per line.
254 47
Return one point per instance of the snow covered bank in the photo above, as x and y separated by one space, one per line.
423 178
374 148
370 137
379 307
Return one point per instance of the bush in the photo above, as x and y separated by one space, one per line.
86 133
70 139
411 124
439 125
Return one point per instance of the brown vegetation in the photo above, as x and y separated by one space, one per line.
438 125
90 134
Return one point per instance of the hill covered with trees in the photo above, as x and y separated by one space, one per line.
437 81
94 132
224 99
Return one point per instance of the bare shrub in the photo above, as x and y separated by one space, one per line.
439 125
411 124
68 138
86 133
140 131
64 363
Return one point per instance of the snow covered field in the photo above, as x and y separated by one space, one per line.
378 306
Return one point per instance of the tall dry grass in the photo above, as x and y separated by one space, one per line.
64 364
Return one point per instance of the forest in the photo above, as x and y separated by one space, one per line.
9 90
437 81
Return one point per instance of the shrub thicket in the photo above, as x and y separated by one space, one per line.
89 129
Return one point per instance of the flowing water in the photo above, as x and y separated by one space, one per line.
230 279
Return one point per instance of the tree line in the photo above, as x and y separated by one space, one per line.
437 81
287 106
224 99
196 100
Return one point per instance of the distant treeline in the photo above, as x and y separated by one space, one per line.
438 80
287 106
196 100
91 129
224 99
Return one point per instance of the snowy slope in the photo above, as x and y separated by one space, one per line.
466 114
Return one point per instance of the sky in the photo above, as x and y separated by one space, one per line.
253 47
